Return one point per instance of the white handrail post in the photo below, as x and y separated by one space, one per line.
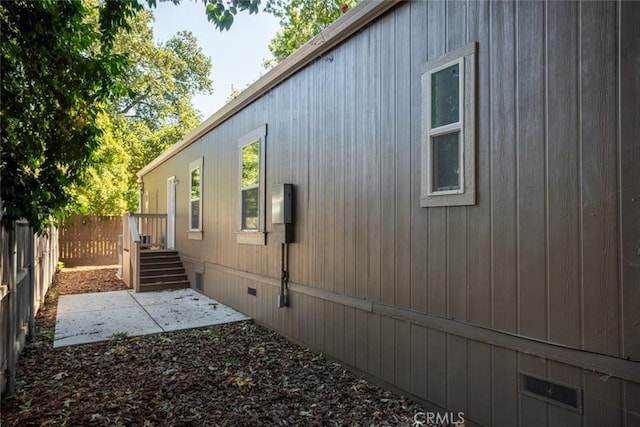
136 276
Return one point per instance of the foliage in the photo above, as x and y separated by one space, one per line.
161 76
222 16
300 21
142 122
222 13
57 71
85 102
103 190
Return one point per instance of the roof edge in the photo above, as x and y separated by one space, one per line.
348 24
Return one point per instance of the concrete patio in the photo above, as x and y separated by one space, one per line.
86 318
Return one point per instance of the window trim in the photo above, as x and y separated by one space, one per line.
252 236
466 194
447 129
195 233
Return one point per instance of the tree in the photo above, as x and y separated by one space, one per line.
58 70
222 12
153 114
300 21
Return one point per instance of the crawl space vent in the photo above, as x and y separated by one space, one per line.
566 396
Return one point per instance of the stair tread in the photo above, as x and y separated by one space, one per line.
162 269
161 276
151 254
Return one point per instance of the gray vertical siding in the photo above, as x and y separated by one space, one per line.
548 253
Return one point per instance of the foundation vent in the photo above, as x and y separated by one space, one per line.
564 395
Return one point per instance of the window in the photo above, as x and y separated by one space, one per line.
448 134
252 187
195 197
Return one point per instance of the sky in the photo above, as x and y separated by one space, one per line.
236 55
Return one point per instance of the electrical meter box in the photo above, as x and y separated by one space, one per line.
282 212
282 204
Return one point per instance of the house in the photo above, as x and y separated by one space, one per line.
464 218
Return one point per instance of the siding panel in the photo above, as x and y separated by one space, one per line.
567 375
479 219
563 231
419 360
388 172
503 167
404 123
338 167
531 170
363 145
403 355
419 236
350 171
602 401
629 176
480 388
373 185
599 182
533 412
504 387
387 354
457 374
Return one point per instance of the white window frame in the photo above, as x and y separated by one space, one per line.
196 233
465 57
253 236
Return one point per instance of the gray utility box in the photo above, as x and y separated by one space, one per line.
282 212
282 204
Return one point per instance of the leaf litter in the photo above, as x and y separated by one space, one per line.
226 375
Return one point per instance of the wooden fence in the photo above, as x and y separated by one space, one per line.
90 240
27 265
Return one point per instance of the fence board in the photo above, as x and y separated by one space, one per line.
22 290
90 240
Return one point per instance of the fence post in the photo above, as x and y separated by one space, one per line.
32 283
13 309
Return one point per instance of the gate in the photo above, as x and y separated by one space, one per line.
90 240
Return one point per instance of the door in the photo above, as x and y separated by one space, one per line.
171 212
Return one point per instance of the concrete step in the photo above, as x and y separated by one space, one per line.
163 278
161 286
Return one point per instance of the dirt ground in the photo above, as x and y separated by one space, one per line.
239 374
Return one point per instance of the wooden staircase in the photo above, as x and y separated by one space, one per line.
161 269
